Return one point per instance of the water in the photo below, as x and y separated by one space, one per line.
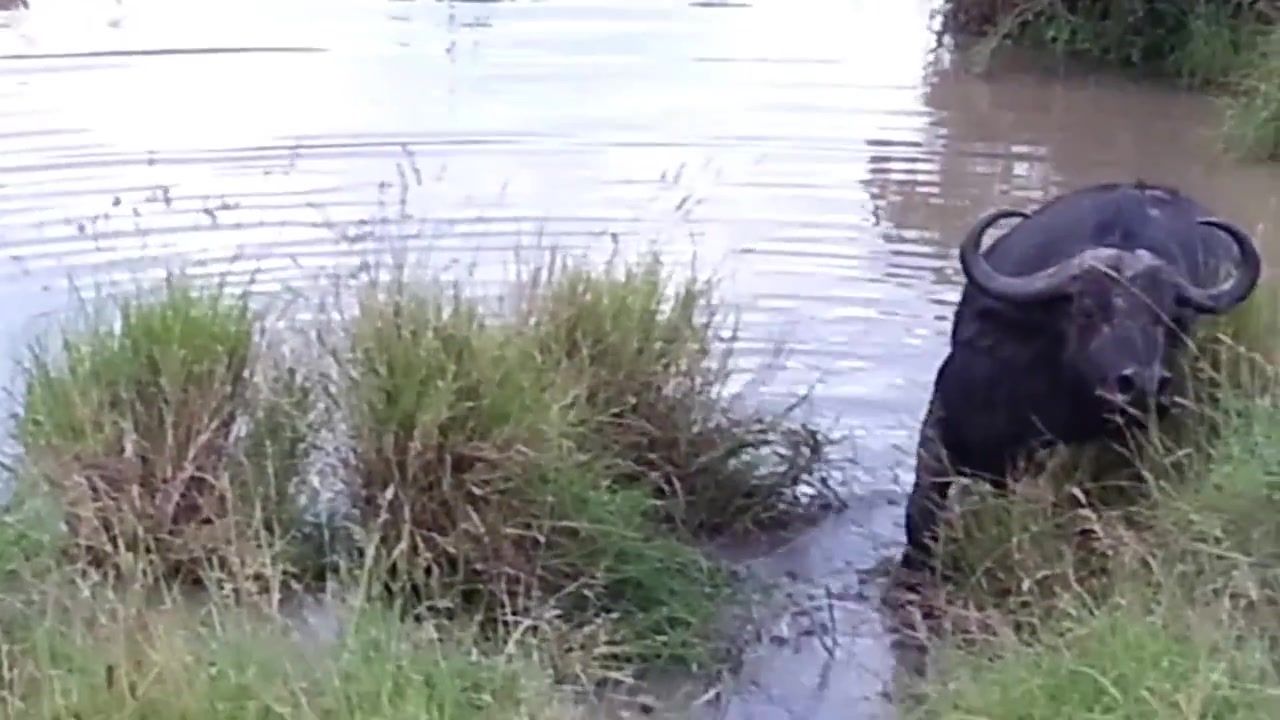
821 154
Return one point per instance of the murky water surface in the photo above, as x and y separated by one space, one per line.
818 153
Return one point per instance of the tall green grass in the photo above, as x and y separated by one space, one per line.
1124 661
1253 110
565 455
1201 43
129 418
644 349
528 490
73 648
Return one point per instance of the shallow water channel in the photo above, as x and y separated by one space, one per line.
822 155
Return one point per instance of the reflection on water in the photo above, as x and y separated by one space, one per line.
748 134
818 153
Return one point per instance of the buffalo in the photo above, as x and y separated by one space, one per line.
1067 331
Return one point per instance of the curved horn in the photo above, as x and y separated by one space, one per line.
1019 289
1214 301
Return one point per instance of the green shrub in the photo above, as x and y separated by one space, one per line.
130 420
1201 43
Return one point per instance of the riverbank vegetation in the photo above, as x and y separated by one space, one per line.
491 502
1228 47
1126 586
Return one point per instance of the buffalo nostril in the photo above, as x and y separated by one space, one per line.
1164 383
1126 383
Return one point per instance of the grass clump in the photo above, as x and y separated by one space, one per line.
131 422
474 474
542 476
642 348
562 458
1155 596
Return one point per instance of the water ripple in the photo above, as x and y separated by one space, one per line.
815 153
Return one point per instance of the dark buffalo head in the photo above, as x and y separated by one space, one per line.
1121 313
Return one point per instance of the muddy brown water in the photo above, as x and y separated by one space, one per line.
823 155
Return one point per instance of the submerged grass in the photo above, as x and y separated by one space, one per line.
1155 597
541 476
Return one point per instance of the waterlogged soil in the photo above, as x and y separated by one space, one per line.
823 156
